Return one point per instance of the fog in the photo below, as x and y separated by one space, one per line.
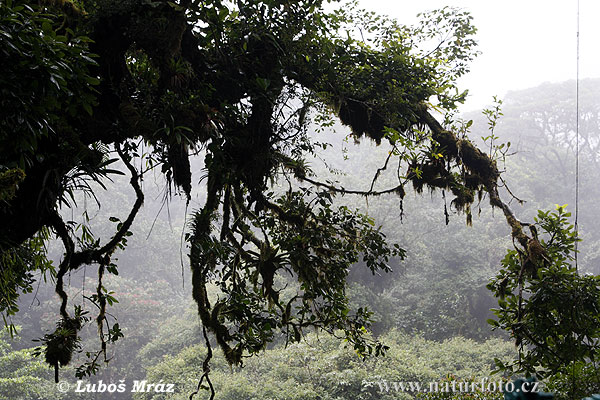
523 43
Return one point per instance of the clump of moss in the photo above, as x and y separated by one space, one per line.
9 183
478 161
362 119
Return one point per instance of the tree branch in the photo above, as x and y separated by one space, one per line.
479 164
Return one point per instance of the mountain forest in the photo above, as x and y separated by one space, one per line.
243 200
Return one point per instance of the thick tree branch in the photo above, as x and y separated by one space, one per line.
102 254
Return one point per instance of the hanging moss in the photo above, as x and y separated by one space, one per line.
179 161
61 344
464 198
362 119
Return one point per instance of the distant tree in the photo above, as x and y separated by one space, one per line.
154 82
23 377
541 122
321 368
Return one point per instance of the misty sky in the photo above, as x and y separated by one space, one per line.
523 42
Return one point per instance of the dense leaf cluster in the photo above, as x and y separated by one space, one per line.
550 309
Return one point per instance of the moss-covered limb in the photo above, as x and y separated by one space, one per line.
210 315
102 254
516 226
481 166
203 261
459 148
134 181
398 189
101 309
481 170
62 231
59 345
241 213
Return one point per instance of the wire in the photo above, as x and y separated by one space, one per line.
577 144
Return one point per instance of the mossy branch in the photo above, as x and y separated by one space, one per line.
482 167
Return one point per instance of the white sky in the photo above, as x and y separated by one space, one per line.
523 42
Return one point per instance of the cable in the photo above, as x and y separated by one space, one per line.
577 144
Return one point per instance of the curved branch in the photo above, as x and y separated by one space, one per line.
109 247
102 255
62 231
396 189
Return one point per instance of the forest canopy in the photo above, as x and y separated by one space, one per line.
90 84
